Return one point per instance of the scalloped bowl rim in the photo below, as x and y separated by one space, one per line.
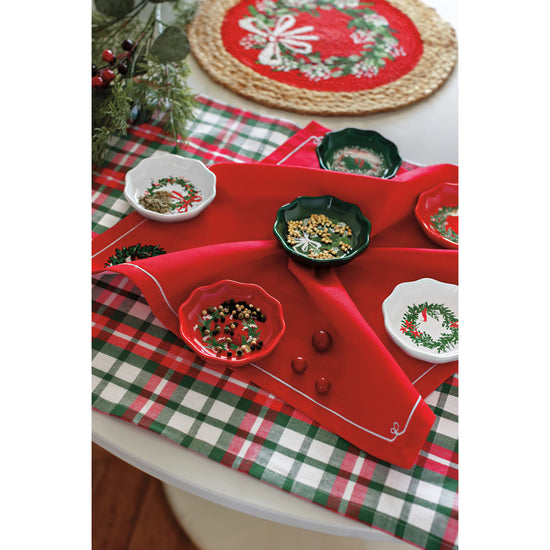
324 144
318 262
392 320
140 177
193 300
420 209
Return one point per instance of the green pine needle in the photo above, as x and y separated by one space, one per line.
157 89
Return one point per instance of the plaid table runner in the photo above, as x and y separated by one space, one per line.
221 416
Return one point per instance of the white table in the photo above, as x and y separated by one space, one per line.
426 133
188 475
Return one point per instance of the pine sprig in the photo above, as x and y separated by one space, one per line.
116 109
154 83
164 91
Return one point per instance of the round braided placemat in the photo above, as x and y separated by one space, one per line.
437 58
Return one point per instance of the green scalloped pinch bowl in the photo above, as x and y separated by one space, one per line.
356 151
340 213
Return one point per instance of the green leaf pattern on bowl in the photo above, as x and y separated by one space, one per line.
432 326
439 222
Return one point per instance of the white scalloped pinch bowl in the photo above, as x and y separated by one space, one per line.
421 317
156 168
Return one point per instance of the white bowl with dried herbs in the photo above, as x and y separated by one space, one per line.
170 188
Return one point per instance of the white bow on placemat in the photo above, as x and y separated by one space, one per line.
294 39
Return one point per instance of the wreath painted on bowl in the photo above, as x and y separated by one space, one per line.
439 222
417 315
182 193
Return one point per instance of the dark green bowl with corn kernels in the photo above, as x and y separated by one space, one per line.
323 231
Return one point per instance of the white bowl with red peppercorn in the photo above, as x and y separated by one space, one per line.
170 188
231 323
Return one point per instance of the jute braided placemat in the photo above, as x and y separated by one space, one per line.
220 44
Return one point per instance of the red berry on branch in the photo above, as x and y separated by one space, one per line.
107 75
123 68
97 82
108 56
127 45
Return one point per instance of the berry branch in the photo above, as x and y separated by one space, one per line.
139 69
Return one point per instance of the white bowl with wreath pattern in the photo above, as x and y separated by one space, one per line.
421 317
170 188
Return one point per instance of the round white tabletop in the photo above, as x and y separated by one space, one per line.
426 133
195 474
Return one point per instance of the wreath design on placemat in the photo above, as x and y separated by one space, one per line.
325 57
272 30
418 314
134 252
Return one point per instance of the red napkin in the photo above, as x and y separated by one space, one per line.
375 399
299 149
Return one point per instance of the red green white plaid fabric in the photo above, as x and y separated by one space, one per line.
223 417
